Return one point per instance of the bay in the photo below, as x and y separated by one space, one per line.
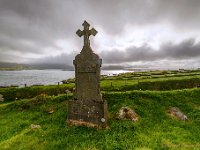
41 77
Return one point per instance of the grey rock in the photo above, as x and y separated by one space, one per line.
126 113
67 91
176 113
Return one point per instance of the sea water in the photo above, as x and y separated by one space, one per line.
41 77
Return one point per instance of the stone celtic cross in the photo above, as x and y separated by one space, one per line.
86 33
87 108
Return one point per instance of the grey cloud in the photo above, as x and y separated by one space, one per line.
18 45
60 59
8 56
184 50
113 15
42 22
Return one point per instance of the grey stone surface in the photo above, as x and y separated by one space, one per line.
88 108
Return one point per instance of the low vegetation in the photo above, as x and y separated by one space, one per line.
150 97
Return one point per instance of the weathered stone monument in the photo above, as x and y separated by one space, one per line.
87 108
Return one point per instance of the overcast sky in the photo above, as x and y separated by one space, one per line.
130 32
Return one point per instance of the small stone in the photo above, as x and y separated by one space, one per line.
103 119
67 91
35 126
176 113
127 113
51 111
1 98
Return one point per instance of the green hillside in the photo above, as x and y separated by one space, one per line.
156 129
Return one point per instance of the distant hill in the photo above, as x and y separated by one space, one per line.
41 66
113 67
17 66
13 66
51 66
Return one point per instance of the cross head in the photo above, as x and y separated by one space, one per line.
86 33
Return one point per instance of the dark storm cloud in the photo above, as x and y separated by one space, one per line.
37 21
60 59
184 50
29 26
33 25
169 51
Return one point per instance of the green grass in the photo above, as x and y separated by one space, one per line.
154 130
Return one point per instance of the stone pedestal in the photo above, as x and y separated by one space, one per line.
90 113
87 108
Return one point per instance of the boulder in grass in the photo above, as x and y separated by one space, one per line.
176 113
1 98
126 113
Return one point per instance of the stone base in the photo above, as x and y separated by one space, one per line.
82 123
88 113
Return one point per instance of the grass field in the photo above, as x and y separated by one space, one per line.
154 130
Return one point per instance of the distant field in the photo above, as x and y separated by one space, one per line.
150 94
